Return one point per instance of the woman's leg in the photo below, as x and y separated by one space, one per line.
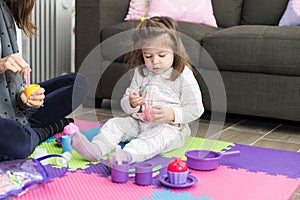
16 141
63 95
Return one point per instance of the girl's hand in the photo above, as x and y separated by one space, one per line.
14 63
160 113
135 100
36 99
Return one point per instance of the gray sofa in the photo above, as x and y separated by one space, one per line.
259 61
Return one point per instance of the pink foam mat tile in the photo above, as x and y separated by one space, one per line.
220 184
78 186
236 184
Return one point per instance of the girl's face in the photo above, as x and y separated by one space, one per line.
158 57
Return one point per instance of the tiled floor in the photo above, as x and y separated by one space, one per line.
262 132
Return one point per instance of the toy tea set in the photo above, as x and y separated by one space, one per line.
178 173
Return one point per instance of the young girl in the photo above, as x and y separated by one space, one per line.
164 82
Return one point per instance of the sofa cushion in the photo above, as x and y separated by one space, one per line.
252 48
117 28
263 12
227 12
196 32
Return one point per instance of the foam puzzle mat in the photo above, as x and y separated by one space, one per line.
257 174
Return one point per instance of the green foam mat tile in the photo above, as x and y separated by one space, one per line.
76 162
192 143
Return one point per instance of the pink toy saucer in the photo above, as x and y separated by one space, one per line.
191 180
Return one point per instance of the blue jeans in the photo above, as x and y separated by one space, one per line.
62 95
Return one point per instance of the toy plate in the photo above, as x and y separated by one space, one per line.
191 180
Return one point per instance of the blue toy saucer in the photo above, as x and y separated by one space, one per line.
191 180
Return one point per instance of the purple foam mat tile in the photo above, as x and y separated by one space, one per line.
54 171
271 161
155 161
99 168
156 180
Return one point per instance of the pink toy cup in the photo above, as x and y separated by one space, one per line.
147 113
70 129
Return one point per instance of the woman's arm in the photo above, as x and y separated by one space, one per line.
14 63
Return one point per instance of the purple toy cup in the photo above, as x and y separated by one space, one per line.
119 173
143 173
147 113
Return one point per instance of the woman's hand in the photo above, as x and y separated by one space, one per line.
136 100
14 63
36 99
160 113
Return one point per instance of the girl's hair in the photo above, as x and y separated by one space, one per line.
154 28
20 10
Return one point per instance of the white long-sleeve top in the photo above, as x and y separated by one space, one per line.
182 95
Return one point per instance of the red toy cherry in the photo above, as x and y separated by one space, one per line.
177 165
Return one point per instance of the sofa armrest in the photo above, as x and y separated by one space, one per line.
91 17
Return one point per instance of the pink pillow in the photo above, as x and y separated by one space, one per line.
137 9
291 16
196 11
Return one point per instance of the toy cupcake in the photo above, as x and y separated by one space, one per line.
178 171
